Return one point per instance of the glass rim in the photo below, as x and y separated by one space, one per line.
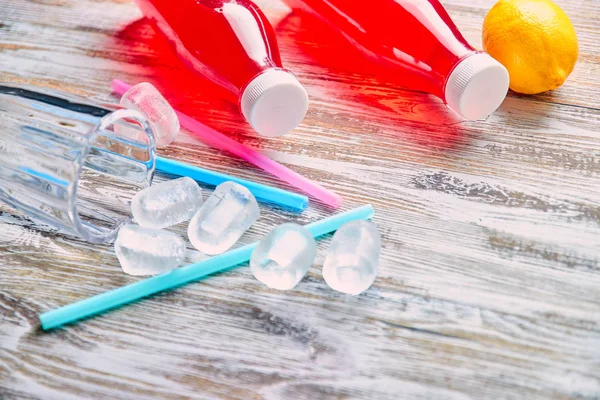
85 232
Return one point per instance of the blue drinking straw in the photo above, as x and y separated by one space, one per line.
181 276
263 193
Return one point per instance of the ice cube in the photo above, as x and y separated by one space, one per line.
352 261
284 256
145 98
145 251
167 203
223 219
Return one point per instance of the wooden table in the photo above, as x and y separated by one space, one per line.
490 271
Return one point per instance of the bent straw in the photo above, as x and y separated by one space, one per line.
181 276
223 142
263 193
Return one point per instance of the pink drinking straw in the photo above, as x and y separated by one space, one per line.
216 139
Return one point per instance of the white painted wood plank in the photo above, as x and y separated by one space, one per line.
491 260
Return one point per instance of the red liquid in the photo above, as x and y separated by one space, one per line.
232 43
228 42
417 37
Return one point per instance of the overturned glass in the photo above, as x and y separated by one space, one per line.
61 162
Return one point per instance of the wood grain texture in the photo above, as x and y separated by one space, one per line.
490 270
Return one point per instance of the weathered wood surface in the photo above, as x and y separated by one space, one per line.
490 273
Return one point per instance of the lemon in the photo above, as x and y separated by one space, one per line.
534 40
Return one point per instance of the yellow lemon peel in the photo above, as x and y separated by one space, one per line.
534 40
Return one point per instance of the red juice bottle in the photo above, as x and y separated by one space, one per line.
418 39
232 43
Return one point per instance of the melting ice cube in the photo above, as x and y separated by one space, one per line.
284 256
352 261
167 203
145 98
145 251
223 219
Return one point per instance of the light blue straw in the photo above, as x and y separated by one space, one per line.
263 193
181 276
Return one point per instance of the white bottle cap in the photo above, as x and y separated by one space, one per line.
477 86
274 102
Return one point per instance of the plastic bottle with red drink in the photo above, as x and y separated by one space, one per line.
232 43
418 39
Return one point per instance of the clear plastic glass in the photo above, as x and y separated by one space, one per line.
61 164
